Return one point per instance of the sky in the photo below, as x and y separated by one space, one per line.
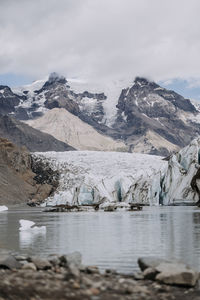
102 40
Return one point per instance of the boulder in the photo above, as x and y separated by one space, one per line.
72 258
73 271
150 262
10 262
20 257
150 273
92 270
111 207
29 266
176 274
41 264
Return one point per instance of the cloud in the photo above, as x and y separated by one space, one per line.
101 39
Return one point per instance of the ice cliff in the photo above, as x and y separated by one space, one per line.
95 177
88 177
180 182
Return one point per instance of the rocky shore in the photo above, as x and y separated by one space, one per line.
64 277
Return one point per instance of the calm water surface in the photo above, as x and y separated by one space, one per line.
109 240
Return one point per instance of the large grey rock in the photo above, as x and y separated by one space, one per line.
29 266
73 271
150 262
10 262
41 264
176 274
150 273
71 258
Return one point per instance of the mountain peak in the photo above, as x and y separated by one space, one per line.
141 80
55 77
53 80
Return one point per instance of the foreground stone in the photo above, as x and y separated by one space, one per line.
176 273
10 262
150 262
167 272
64 277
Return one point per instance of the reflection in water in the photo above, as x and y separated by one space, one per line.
30 238
113 240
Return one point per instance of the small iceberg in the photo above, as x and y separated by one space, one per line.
26 225
3 208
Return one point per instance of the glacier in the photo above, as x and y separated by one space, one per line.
96 177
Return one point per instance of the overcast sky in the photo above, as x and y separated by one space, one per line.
100 39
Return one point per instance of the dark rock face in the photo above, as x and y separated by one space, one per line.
59 95
8 100
44 173
24 135
194 184
21 180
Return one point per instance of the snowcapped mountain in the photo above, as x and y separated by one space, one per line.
142 114
148 110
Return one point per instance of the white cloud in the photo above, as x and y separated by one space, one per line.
101 39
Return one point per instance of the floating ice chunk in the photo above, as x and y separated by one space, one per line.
3 208
29 225
25 224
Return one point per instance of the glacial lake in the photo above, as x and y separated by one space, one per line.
107 239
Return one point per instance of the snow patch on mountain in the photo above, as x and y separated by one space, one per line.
30 88
32 99
111 89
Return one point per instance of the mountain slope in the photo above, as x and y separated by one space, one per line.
18 182
70 129
24 135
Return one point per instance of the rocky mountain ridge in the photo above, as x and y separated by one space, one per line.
147 118
147 107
